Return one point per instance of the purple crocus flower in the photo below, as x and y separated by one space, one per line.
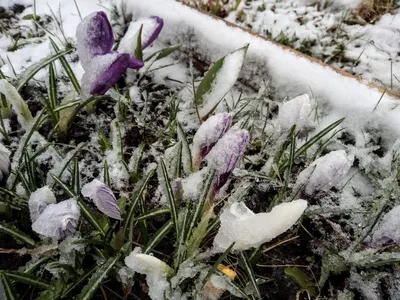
103 198
226 154
208 135
103 66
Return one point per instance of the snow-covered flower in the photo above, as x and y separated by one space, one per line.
58 220
102 197
246 229
295 111
156 272
208 135
226 154
325 172
388 229
4 161
152 27
39 200
103 66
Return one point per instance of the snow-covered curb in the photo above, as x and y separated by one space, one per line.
291 73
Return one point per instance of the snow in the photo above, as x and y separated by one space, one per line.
241 226
128 43
325 172
224 80
39 200
295 112
388 228
58 220
4 161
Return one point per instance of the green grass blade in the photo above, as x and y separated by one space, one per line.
249 270
158 236
52 87
217 263
139 190
16 234
96 280
154 213
33 69
90 217
9 290
139 50
67 69
186 153
106 174
163 52
79 282
170 197
70 192
27 279
198 211
76 177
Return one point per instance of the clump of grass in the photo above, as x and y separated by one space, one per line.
371 10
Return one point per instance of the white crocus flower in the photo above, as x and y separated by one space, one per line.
39 200
58 220
325 172
246 229
156 272
102 197
295 112
4 161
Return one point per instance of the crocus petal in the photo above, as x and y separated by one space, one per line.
58 220
94 37
226 154
295 112
4 161
388 229
241 226
208 135
151 29
325 172
103 73
39 200
135 63
103 198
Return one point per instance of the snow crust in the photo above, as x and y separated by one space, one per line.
39 200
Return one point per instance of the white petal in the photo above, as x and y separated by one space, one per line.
248 230
58 220
388 229
39 200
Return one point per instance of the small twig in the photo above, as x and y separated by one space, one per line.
26 251
280 243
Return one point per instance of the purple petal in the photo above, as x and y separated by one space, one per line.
103 198
151 32
134 63
94 37
226 154
209 133
103 72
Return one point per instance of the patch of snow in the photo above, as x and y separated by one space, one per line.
39 200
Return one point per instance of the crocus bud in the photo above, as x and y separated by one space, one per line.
152 27
325 172
295 112
157 272
247 230
58 220
94 37
103 198
4 161
208 135
226 154
39 200
388 229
